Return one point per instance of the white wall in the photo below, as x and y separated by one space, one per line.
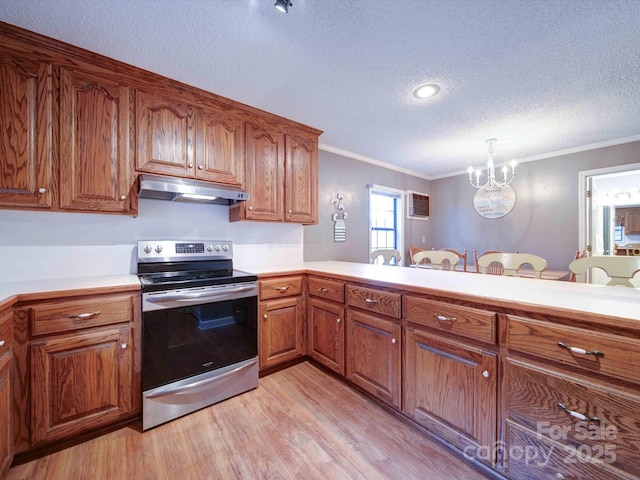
43 245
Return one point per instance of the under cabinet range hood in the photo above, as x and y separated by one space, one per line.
186 190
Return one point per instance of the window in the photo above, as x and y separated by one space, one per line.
385 219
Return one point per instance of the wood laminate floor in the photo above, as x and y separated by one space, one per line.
300 423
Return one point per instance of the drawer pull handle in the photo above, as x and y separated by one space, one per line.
1 343
371 300
581 351
578 415
282 289
84 315
444 318
322 289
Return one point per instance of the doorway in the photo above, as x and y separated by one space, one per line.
607 195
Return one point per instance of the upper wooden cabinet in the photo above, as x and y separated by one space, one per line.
301 171
281 176
179 139
630 218
26 102
95 156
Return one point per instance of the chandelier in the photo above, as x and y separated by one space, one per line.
475 176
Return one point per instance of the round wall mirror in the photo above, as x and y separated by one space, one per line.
494 202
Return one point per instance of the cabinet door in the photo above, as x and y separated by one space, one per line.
220 147
373 356
6 450
80 381
301 185
165 129
265 173
280 331
451 388
96 170
632 221
326 334
26 109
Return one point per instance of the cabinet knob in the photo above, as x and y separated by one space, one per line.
200 167
190 165
486 374
123 346
42 190
290 211
123 197
1 343
559 476
393 340
250 208
338 320
264 316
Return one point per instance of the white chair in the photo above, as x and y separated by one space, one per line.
512 262
438 259
619 269
387 255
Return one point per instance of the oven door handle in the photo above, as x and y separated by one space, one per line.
190 386
189 297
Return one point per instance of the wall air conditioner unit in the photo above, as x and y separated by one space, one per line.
417 206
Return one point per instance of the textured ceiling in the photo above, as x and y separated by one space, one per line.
541 76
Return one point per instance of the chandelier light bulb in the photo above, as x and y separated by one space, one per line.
491 181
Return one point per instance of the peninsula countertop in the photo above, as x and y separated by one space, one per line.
608 301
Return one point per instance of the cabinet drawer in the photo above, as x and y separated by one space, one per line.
68 315
329 289
531 457
583 417
280 287
6 331
374 300
603 353
466 321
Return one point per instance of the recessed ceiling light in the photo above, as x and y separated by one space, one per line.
426 91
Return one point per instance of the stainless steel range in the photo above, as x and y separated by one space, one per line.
199 327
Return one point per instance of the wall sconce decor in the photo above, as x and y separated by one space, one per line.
339 227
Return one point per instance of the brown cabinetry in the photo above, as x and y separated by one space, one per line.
179 139
26 96
6 393
451 388
326 323
281 176
95 153
281 321
630 218
77 366
373 342
573 391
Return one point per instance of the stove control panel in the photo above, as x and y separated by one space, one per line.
177 250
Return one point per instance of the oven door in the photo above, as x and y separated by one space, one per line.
192 331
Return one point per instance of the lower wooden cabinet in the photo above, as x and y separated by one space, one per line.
76 366
6 441
326 334
451 388
280 331
374 355
80 381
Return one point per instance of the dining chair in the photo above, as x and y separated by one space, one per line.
495 269
462 255
387 255
512 262
438 259
413 250
633 249
619 269
579 254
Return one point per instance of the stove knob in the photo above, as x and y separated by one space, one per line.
209 248
217 248
158 248
225 248
147 249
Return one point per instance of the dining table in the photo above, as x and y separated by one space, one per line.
524 272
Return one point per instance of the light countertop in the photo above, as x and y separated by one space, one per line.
606 300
